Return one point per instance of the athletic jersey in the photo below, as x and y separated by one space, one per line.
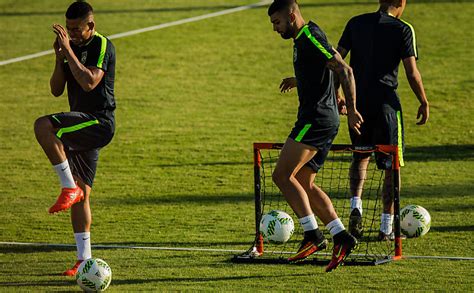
377 42
317 99
98 52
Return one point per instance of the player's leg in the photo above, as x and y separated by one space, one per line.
82 135
357 174
292 157
84 165
344 243
81 220
390 132
320 202
46 135
313 239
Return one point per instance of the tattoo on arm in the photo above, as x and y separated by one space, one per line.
345 78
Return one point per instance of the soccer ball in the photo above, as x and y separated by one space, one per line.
94 275
276 226
415 221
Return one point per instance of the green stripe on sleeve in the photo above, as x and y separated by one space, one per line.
400 139
302 132
318 45
414 37
103 48
301 31
76 127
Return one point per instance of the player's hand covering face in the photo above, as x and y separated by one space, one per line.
62 38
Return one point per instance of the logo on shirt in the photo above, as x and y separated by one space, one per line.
295 54
83 57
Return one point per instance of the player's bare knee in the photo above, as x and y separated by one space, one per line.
280 177
42 125
306 183
41 129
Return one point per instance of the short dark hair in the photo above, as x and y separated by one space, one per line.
79 9
279 5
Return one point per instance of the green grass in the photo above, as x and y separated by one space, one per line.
191 101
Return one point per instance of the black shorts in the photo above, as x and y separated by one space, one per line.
318 136
384 126
82 135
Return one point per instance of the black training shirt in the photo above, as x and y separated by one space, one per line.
317 99
377 42
98 52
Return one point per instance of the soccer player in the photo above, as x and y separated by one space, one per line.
377 42
315 63
85 62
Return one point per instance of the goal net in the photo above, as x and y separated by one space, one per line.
334 179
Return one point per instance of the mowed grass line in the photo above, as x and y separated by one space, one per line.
192 99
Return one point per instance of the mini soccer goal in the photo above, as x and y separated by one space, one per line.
334 179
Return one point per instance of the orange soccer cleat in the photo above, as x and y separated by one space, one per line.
72 271
344 243
308 247
66 199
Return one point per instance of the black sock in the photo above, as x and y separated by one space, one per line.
340 236
315 234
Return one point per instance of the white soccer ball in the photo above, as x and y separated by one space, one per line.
277 226
94 275
415 221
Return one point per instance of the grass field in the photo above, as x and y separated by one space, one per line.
191 101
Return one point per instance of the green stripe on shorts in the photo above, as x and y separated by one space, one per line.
400 139
76 127
302 132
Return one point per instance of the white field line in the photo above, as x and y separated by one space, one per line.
52 245
150 28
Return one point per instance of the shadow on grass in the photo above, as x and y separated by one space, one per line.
202 164
37 283
194 244
211 244
452 228
197 279
216 7
182 199
437 192
116 282
34 249
424 153
440 153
